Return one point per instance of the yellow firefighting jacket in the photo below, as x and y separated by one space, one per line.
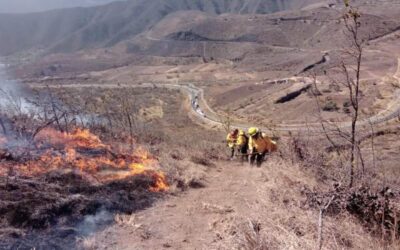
231 140
242 139
261 144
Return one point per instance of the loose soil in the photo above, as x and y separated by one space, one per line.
209 217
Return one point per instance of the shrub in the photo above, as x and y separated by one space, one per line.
202 161
330 106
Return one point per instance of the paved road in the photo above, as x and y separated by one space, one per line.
204 113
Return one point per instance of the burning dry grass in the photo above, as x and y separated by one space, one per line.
61 178
57 180
83 151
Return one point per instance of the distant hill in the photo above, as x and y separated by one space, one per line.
73 29
24 6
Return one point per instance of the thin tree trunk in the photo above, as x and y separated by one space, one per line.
321 222
394 236
130 128
54 109
320 226
3 127
66 124
352 152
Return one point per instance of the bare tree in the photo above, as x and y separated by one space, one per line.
349 76
128 107
226 120
3 126
352 77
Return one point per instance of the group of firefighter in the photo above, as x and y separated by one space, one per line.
253 146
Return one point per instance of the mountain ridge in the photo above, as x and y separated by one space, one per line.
28 6
74 29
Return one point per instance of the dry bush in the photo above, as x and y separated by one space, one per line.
310 153
330 106
284 219
88 243
202 161
182 172
252 239
126 220
374 212
391 81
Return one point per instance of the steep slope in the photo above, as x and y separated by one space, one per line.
300 28
291 38
78 28
239 208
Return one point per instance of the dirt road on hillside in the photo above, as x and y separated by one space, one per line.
204 113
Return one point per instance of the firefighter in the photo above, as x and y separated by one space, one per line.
259 145
242 144
231 140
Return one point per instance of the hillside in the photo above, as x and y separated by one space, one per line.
78 28
114 122
24 6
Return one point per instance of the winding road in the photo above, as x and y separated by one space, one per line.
202 112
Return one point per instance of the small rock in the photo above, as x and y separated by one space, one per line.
166 245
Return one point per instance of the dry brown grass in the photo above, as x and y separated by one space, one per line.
127 220
282 216
285 221
279 218
307 164
88 243
183 172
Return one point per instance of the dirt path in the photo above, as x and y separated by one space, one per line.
205 218
188 221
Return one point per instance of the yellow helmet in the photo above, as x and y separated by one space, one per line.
241 132
253 131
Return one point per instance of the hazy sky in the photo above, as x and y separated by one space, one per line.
18 6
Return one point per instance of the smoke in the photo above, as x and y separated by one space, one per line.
18 102
13 94
13 102
92 223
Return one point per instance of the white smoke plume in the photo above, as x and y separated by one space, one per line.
13 95
92 223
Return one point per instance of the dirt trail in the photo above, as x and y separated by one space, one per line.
205 218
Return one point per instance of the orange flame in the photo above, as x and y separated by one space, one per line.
85 152
78 138
161 182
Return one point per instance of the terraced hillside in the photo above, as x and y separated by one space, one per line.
78 28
